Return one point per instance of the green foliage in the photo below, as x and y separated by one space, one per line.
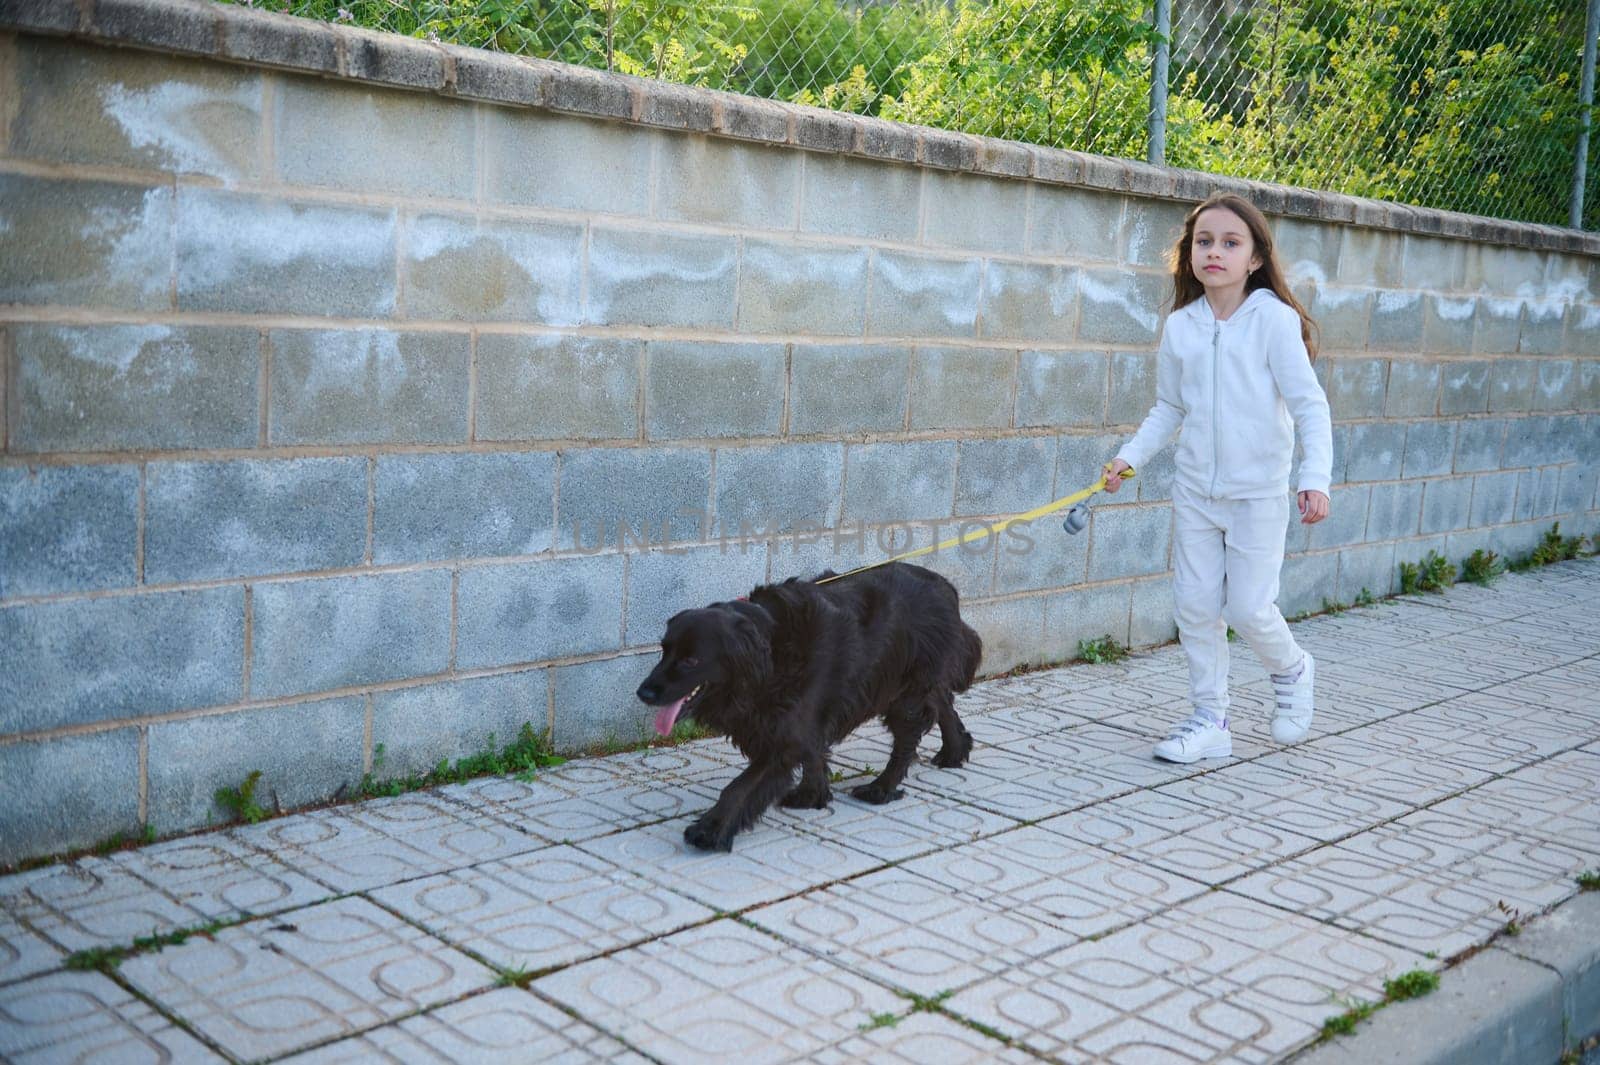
104 958
883 1020
1102 650
529 752
1482 567
1413 984
1589 880
1364 598
1556 548
1433 574
241 801
1345 1023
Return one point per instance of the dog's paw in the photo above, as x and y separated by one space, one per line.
954 759
707 837
876 794
807 800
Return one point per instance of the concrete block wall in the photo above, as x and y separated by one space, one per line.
362 391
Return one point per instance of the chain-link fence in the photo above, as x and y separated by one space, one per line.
1470 105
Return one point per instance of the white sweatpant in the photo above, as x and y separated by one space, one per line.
1226 556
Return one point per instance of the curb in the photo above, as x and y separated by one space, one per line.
1522 1001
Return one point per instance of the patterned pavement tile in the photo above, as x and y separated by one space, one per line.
1523 803
385 841
545 908
1180 836
22 953
82 1016
95 902
1072 885
1259 794
722 992
921 1039
768 862
501 1026
1100 761
908 931
614 805
1218 978
1370 764
281 984
1422 884
990 781
923 821
220 877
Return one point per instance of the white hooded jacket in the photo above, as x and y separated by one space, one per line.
1236 391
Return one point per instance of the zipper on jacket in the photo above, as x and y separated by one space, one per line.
1216 337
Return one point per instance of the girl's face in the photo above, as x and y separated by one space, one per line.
1223 252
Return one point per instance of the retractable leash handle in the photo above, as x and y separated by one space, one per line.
1077 518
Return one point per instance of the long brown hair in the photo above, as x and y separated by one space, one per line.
1186 287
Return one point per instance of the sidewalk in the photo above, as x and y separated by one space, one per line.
1064 891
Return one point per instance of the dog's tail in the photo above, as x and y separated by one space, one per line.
972 654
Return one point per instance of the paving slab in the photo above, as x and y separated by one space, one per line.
1062 897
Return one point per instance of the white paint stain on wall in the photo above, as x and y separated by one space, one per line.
179 122
1120 298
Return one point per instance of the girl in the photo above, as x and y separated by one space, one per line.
1233 369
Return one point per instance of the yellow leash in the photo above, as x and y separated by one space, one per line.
988 530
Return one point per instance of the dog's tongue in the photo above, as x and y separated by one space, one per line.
667 715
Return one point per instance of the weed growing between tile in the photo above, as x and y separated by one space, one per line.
1408 985
1589 880
104 959
1101 651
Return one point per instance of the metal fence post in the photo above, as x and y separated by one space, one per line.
1580 162
1158 82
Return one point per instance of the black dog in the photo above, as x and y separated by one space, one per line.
797 666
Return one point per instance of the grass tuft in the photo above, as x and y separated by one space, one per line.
1101 651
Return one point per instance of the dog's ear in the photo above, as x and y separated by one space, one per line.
748 645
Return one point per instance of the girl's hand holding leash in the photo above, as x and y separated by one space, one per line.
1313 506
1114 474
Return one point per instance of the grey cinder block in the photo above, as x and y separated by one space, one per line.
917 295
424 725
1376 451
85 243
354 136
67 792
128 108
899 482
213 520
847 388
1430 448
121 387
316 635
151 653
1413 389
1086 614
304 752
974 212
459 269
447 506
642 495
549 160
1029 301
1004 477
595 702
778 488
532 611
1394 511
1446 505
961 388
67 528
359 386
709 179
557 387
661 279
256 254
1120 307
1061 388
1465 387
1075 222
854 197
699 389
795 288
1357 387
661 583
1129 541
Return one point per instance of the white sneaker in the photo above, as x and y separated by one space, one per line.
1292 720
1194 739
